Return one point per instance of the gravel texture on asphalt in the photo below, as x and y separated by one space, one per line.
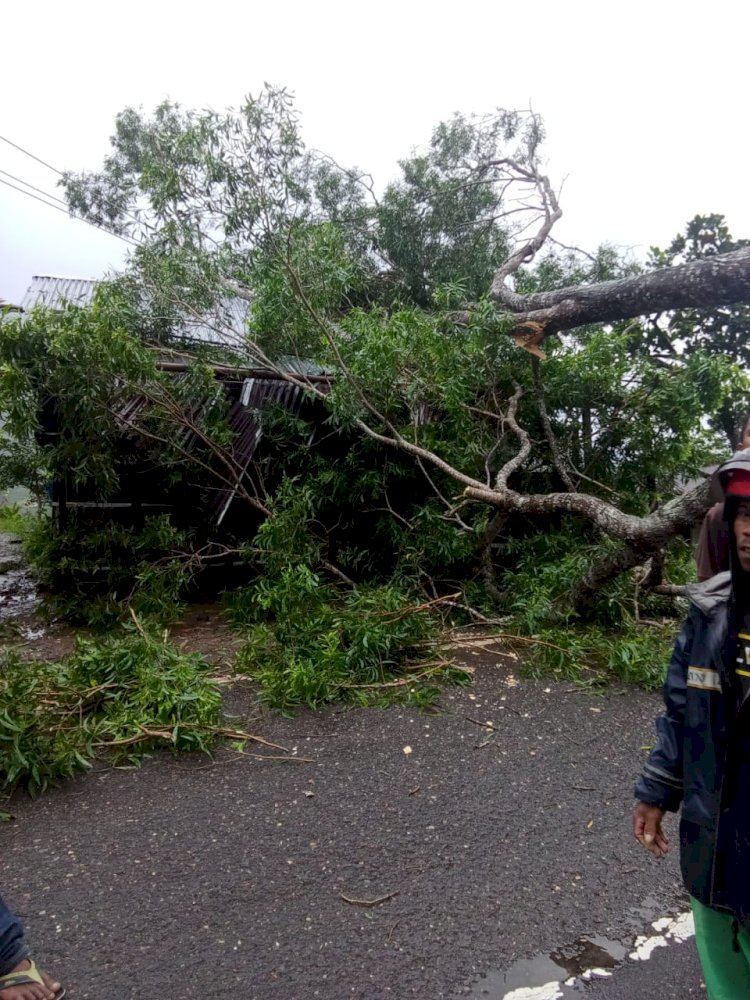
222 878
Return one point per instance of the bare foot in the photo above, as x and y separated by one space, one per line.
52 985
31 991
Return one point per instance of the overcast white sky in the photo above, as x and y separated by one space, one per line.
645 103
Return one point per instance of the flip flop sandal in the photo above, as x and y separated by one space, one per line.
26 978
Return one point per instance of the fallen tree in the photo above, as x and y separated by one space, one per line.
413 299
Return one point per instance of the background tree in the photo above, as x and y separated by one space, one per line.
723 330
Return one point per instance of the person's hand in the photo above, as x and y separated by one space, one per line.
647 829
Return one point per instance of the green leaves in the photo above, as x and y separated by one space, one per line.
444 221
722 332
36 748
198 189
230 203
98 569
123 696
309 642
310 645
302 277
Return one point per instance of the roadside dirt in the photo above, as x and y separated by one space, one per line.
26 626
202 630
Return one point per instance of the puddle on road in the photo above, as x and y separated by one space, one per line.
563 973
541 977
19 593
589 953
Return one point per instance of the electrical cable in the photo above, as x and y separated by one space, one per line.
26 184
65 211
54 170
27 153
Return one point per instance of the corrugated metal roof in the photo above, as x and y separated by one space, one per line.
55 292
224 324
302 366
245 419
9 312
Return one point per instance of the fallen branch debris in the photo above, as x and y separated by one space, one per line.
369 902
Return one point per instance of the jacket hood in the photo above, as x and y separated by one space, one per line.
711 594
739 462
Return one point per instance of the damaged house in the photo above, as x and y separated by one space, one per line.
209 495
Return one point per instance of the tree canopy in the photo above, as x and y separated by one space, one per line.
494 388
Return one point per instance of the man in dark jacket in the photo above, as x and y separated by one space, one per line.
701 760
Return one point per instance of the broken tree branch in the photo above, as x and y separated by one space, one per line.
500 292
649 531
518 460
723 279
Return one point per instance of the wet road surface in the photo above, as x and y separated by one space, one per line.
408 855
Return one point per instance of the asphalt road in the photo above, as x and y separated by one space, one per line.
412 856
672 973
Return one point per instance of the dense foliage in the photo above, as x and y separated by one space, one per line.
122 696
724 332
352 520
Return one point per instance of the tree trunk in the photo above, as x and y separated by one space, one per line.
727 424
624 557
602 571
654 571
494 527
646 533
640 537
701 284
587 435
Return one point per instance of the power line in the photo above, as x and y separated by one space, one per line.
54 170
65 211
33 157
26 184
49 204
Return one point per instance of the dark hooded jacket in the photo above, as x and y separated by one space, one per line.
701 760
